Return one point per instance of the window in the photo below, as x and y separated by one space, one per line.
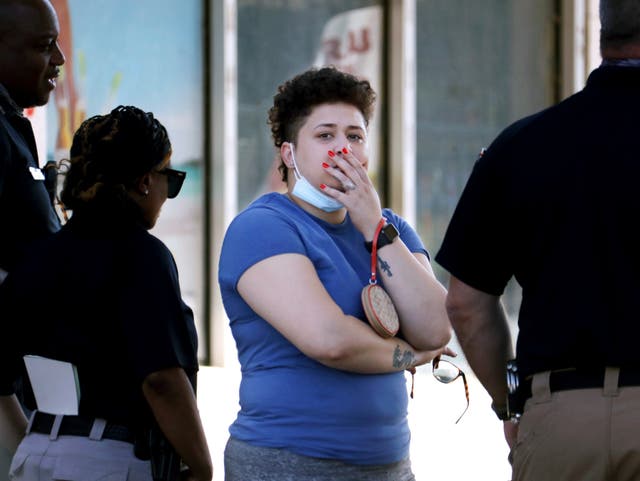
278 39
481 66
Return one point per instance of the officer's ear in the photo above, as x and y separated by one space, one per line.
143 184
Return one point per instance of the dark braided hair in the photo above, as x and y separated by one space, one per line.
297 97
109 154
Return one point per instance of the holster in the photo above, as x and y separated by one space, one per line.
516 398
152 445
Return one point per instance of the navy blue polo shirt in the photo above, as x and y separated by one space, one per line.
554 203
112 306
26 212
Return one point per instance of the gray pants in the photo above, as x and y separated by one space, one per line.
243 462
5 461
46 457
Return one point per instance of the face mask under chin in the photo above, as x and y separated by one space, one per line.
303 190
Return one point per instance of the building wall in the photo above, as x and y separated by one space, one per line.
450 74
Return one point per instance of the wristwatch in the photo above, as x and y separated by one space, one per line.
387 236
501 411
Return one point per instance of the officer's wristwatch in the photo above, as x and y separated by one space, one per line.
387 236
504 413
501 411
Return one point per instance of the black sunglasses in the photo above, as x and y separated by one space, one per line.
175 179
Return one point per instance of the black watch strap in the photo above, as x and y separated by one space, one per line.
501 411
387 236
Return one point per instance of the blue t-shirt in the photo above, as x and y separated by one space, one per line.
288 400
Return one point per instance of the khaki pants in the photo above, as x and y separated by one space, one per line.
579 435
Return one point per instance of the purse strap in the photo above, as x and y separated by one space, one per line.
373 280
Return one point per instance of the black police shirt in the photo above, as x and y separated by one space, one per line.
26 212
103 294
554 203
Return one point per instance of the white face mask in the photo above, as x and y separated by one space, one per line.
305 191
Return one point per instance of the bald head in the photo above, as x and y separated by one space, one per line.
620 28
29 53
11 9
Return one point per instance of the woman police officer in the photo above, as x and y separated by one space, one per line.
103 294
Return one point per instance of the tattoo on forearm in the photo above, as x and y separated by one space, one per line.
384 267
404 359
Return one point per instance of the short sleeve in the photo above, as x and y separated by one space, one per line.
407 233
475 247
158 326
254 235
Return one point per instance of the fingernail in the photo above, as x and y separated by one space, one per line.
332 153
325 165
322 186
344 150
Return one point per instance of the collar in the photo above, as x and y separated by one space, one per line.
7 105
621 62
615 77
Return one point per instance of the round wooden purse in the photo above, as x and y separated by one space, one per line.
378 306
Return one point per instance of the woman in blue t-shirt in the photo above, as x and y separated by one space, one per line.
323 396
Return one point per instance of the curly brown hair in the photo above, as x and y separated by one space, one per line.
297 97
110 153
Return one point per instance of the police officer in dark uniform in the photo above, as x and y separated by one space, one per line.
554 203
113 309
29 64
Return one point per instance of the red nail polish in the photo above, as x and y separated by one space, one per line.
322 186
325 165
332 153
344 150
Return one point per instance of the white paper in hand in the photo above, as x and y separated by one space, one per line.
55 385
